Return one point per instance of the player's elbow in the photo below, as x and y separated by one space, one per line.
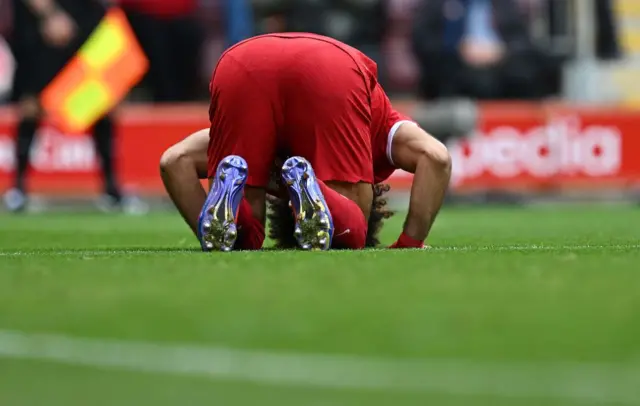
171 159
436 155
416 150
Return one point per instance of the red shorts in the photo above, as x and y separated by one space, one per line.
285 95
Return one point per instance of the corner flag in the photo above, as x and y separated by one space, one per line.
107 66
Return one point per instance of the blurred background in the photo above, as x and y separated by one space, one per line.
537 99
538 102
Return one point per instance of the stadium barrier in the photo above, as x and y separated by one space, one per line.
518 147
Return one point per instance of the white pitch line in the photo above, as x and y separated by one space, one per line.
472 248
466 248
588 382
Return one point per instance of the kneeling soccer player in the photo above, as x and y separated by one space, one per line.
317 99
184 164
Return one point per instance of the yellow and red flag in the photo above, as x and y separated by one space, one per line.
107 66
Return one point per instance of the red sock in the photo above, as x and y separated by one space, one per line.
250 229
350 226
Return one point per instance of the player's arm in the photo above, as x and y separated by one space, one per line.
417 152
181 167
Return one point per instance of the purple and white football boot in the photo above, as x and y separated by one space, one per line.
217 230
314 224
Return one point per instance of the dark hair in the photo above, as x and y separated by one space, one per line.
282 222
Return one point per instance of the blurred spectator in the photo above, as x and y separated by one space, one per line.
359 23
7 70
46 34
607 42
6 56
401 66
476 48
238 20
5 16
171 36
561 20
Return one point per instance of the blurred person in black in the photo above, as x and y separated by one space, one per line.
476 48
171 36
358 23
607 41
46 35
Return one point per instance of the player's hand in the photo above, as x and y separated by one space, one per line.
58 29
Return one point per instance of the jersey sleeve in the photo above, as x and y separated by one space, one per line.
386 121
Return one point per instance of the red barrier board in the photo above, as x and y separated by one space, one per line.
68 164
546 147
516 147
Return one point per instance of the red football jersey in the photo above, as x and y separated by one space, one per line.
385 121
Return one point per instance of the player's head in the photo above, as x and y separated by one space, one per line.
282 222
379 213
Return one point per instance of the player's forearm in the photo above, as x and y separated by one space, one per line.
182 183
417 152
430 183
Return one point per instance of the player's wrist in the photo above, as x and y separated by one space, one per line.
406 241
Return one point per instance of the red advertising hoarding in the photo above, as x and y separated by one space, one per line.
517 147
527 147
68 164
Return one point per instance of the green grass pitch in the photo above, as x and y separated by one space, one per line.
518 307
